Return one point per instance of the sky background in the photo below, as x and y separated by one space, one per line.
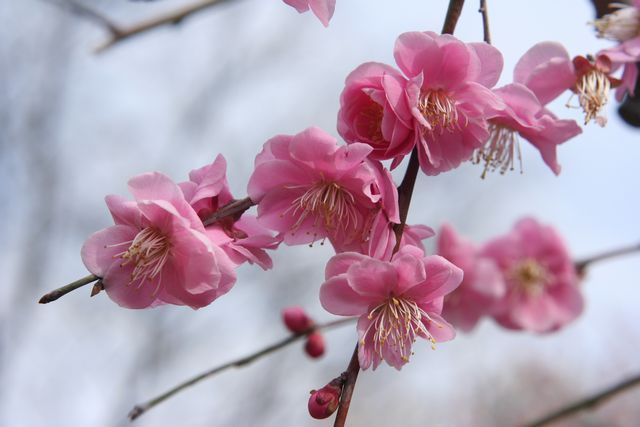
75 126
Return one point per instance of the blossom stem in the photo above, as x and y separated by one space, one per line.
350 375
405 191
234 208
581 266
453 14
238 363
589 403
57 293
485 21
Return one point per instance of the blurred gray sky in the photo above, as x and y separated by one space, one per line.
75 126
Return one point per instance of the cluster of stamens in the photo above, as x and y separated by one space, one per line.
396 322
332 206
530 277
149 252
593 94
500 151
439 110
621 25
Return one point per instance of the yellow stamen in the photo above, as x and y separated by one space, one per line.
439 110
500 151
530 277
593 94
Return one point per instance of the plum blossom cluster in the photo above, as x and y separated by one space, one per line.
443 103
524 280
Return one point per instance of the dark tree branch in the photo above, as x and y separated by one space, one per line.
485 21
238 363
582 265
233 209
57 293
350 376
589 403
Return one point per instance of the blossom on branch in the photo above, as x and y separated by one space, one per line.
308 188
397 301
158 251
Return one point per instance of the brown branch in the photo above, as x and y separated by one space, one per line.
243 361
485 21
589 403
350 377
405 191
453 14
234 208
171 18
581 266
57 293
85 11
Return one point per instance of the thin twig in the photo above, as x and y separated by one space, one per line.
350 375
405 191
453 14
589 403
485 21
85 11
243 361
581 266
170 18
234 209
57 293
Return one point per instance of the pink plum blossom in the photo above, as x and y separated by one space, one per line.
158 251
308 188
543 289
481 287
449 95
396 301
243 239
523 116
374 111
323 9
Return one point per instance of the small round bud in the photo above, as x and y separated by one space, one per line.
315 345
324 402
296 320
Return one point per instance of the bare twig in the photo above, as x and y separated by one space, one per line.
582 265
589 403
453 14
57 293
243 361
85 11
350 377
405 191
233 209
171 18
485 21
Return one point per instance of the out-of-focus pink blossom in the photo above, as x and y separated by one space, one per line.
296 319
523 116
624 55
243 239
308 188
449 95
621 25
397 301
324 402
482 285
315 346
374 111
543 292
323 9
157 252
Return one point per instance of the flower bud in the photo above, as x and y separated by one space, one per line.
324 402
296 320
314 345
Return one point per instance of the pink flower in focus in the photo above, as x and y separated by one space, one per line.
323 9
523 116
543 291
449 95
374 111
157 252
397 301
308 188
482 284
242 239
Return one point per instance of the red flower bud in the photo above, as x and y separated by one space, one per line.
324 402
296 320
314 345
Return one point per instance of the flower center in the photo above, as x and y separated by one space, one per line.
332 205
621 25
395 323
439 110
530 277
369 123
500 151
149 252
593 94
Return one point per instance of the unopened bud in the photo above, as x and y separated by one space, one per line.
324 402
296 320
315 344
